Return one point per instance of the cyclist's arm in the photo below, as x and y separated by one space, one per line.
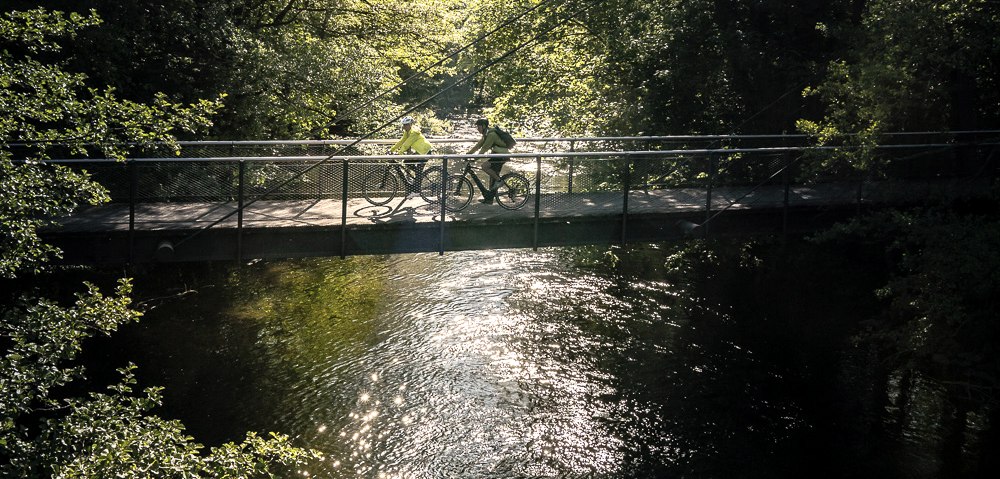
402 145
478 146
489 141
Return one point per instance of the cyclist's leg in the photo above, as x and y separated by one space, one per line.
496 164
487 167
417 167
419 172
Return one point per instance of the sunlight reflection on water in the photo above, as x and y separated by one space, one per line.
522 364
453 391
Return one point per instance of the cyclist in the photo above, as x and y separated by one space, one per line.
412 142
491 166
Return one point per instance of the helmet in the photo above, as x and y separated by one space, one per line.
482 122
407 120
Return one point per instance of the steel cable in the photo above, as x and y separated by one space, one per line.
512 19
587 6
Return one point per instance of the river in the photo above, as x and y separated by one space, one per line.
571 362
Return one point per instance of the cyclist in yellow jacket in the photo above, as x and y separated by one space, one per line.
491 166
412 142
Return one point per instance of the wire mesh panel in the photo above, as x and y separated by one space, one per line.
668 183
113 176
185 181
292 193
745 179
184 194
596 182
241 149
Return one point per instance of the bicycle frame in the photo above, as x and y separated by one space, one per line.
407 173
468 170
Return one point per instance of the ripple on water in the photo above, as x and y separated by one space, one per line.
482 364
461 376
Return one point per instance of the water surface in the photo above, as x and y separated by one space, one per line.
556 363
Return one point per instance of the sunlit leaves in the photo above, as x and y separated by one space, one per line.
107 434
918 65
42 105
31 195
35 29
46 430
289 69
660 67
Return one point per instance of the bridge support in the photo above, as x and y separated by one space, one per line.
239 216
538 200
442 212
343 210
133 180
626 184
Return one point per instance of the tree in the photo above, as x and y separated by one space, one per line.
921 65
45 429
661 67
289 69
42 106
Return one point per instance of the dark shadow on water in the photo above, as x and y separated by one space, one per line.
737 360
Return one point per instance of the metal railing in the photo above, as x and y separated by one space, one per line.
237 191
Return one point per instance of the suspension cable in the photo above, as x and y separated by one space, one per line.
510 20
381 127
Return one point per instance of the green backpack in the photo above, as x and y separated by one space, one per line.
505 137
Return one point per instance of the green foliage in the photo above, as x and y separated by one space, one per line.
921 65
45 429
30 195
942 311
718 66
41 105
109 434
659 67
288 69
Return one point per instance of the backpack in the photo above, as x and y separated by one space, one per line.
505 137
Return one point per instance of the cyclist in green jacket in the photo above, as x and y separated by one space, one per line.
412 142
491 166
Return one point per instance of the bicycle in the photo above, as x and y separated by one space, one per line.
382 184
511 194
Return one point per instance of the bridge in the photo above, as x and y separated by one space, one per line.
237 201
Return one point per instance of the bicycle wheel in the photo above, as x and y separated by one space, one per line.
430 186
458 193
513 192
380 186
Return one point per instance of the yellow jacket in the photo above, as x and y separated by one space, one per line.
414 140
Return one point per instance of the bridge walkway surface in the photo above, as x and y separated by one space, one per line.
298 228
188 209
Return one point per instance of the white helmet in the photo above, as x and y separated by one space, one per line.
407 120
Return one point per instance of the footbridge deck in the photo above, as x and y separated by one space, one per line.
243 207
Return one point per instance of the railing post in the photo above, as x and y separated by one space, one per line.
708 194
572 162
538 199
319 182
787 184
626 180
646 167
343 209
133 186
442 199
239 211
